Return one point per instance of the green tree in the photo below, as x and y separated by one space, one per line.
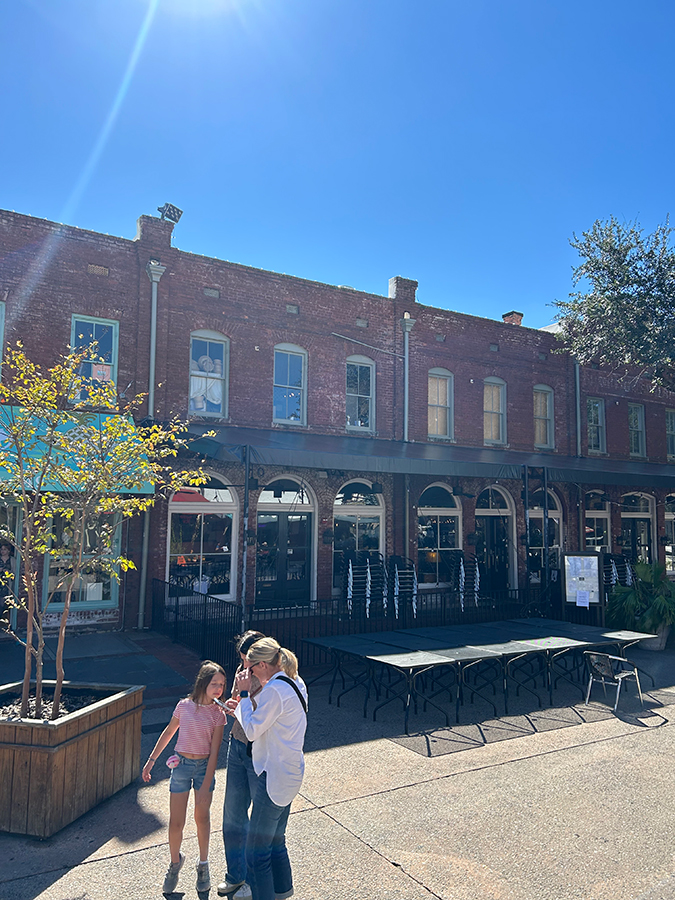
625 318
75 465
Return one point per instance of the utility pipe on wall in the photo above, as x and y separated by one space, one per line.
407 326
577 398
155 272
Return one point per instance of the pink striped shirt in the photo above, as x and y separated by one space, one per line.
197 724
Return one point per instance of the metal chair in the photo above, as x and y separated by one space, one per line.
611 670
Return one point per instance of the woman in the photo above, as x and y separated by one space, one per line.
240 787
277 728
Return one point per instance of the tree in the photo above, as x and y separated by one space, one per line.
74 465
626 317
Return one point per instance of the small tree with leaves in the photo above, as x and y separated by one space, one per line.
625 316
75 465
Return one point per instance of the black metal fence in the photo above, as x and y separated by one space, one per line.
208 625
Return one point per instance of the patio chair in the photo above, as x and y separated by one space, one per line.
611 670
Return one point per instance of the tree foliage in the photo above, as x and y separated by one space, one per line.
626 316
74 465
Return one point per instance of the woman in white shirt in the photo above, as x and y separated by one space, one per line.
277 729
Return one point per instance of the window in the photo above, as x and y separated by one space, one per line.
209 368
494 411
670 432
360 393
290 385
543 416
597 521
636 429
358 533
440 409
595 416
438 536
101 337
670 535
541 541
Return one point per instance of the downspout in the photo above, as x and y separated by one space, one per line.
407 326
577 398
244 552
155 272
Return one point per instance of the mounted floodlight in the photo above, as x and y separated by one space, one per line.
170 212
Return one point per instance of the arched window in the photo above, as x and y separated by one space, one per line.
597 525
284 554
290 385
360 399
209 368
201 536
494 411
358 514
495 547
637 527
439 538
441 404
543 417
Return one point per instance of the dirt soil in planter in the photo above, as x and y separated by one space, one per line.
10 707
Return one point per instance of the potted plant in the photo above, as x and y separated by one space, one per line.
646 605
73 465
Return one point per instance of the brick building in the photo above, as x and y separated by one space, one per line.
356 426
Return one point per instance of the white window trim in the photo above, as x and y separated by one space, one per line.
362 361
601 425
502 402
95 320
550 419
450 378
642 452
599 514
206 334
455 511
299 351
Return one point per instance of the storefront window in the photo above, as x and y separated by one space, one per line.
438 536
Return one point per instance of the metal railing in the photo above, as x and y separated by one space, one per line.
208 625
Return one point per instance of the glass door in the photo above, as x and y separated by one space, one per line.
492 552
283 558
201 551
637 539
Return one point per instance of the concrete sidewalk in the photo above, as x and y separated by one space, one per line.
567 803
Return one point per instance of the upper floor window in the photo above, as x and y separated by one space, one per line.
670 432
595 417
360 393
209 365
636 429
440 408
99 338
494 411
543 416
290 384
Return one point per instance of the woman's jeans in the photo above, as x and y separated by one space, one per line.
269 870
240 789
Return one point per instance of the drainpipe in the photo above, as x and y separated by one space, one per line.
155 272
577 398
244 552
407 326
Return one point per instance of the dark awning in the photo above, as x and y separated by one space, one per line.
317 451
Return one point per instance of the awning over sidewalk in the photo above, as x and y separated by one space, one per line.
315 451
123 429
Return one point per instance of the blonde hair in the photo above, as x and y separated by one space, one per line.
203 679
268 650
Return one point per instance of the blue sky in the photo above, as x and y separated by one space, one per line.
346 141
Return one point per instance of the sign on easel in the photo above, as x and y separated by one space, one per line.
583 579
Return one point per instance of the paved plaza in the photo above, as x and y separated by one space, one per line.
545 804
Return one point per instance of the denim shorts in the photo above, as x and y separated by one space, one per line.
189 773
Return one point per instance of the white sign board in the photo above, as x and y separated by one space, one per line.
582 580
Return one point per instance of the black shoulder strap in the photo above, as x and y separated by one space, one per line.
295 688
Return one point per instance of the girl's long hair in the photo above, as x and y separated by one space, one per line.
268 650
207 671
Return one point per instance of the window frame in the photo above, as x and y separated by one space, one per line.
96 320
214 337
670 433
292 350
439 373
640 432
358 360
547 391
600 425
494 381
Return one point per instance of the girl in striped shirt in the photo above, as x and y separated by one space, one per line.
199 723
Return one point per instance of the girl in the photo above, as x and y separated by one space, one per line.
199 723
240 788
277 728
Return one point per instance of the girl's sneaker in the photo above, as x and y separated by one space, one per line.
171 877
203 877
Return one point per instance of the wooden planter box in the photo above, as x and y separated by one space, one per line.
53 772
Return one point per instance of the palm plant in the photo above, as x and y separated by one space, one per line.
646 605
